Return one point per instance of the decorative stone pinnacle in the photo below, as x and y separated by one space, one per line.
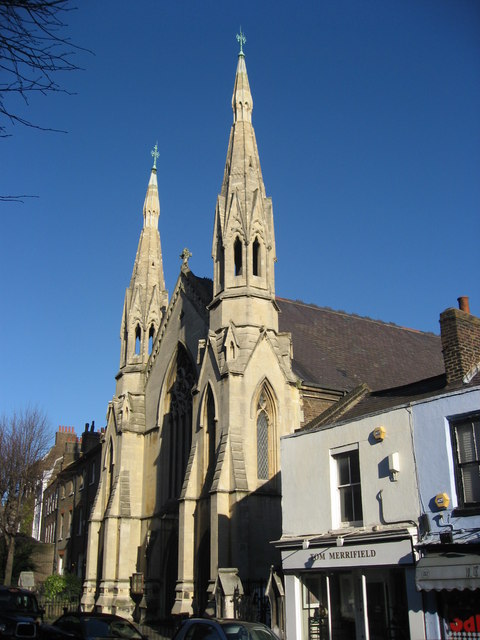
155 155
241 39
185 255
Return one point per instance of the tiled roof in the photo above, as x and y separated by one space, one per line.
377 401
359 403
203 286
337 350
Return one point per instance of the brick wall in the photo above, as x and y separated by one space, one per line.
460 333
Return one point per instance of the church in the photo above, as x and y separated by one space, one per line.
210 379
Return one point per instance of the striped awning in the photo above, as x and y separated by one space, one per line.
448 570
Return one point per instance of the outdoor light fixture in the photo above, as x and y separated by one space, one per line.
339 541
394 466
305 544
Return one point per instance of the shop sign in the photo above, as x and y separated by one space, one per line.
377 553
469 625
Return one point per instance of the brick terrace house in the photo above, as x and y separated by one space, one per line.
68 498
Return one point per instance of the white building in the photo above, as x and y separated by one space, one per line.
378 495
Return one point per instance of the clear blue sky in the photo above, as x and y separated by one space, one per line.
367 115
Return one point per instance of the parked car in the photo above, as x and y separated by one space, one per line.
215 629
89 626
20 615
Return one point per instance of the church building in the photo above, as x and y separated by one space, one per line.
210 378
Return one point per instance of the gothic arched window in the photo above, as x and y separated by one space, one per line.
237 256
256 258
110 468
265 425
210 434
125 345
151 335
138 339
179 408
220 265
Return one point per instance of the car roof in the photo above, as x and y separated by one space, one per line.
92 614
15 590
246 623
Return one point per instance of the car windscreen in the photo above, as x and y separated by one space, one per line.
14 601
99 628
237 631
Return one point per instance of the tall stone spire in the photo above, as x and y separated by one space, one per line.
146 297
243 241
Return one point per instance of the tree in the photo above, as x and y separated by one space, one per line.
33 50
24 440
68 586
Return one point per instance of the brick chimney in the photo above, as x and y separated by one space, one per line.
90 437
460 332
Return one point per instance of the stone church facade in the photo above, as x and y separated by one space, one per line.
209 380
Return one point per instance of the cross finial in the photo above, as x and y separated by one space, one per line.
185 255
155 155
241 39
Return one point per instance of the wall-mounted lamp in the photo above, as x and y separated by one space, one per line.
305 544
379 433
394 466
339 541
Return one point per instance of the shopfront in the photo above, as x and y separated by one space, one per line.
352 591
450 582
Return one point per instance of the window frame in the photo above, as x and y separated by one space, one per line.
62 526
80 521
237 257
342 453
463 507
266 449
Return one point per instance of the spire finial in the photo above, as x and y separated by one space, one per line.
241 39
155 155
185 255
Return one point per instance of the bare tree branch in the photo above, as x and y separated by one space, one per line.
24 441
33 50
15 198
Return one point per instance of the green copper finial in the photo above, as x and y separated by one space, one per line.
155 155
241 39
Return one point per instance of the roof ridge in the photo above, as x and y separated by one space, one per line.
312 305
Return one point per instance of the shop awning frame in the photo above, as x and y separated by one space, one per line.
448 570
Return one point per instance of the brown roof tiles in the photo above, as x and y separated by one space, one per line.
337 350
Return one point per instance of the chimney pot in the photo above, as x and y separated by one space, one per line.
463 304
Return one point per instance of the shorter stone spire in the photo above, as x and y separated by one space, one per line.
146 297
